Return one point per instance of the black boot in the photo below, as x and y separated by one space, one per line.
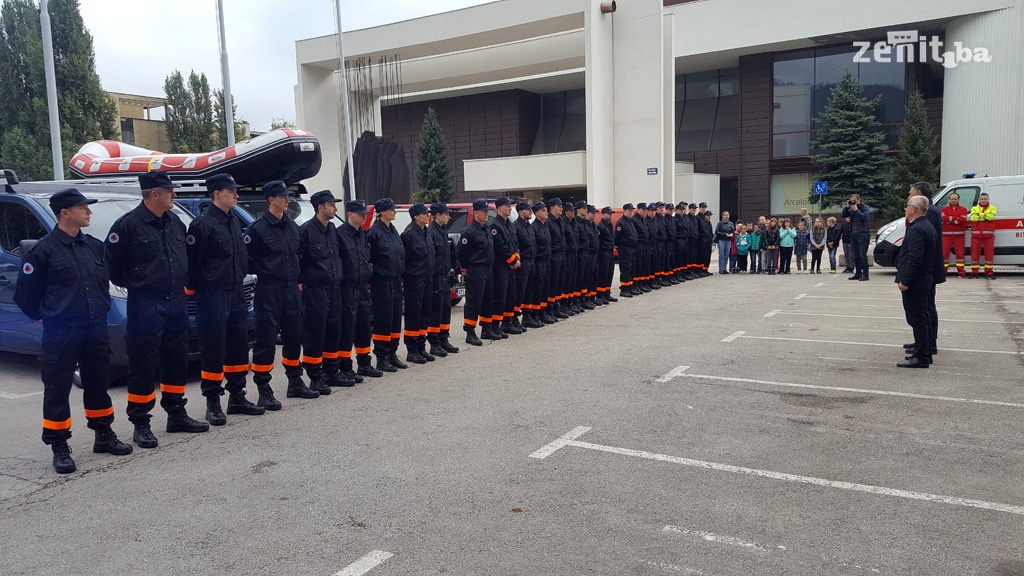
266 398
437 350
297 389
532 320
509 327
107 442
415 357
320 385
448 347
608 298
338 379
423 352
62 461
587 305
394 361
546 318
143 436
239 404
345 365
182 422
519 324
214 415
472 339
558 312
365 368
384 365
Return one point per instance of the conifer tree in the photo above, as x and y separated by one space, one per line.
915 161
433 174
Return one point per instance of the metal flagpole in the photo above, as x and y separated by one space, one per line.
346 124
225 75
51 91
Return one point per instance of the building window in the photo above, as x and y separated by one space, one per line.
128 131
563 123
803 82
707 111
791 192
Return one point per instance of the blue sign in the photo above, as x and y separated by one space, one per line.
821 187
652 171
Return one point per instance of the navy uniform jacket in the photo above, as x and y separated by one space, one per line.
355 255
476 247
582 235
569 234
387 252
526 239
939 267
444 254
605 237
625 233
273 247
65 281
554 226
660 229
319 262
542 237
916 258
670 228
595 238
502 236
641 230
216 251
419 252
147 254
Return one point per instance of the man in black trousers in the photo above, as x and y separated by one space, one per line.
933 216
914 268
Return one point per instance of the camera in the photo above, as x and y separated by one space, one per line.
851 202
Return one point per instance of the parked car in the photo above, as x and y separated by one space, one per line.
25 215
1006 193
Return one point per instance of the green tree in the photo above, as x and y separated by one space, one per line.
23 154
432 171
850 145
916 160
189 113
278 123
220 134
86 112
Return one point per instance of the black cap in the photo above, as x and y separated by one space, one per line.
479 204
275 188
681 205
539 206
503 201
581 204
556 201
568 207
606 210
439 208
641 206
383 205
68 198
156 179
321 197
417 209
628 206
591 208
692 205
703 205
524 205
220 182
356 207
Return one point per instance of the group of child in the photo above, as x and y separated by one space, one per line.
770 245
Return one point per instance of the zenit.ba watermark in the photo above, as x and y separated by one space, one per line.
910 47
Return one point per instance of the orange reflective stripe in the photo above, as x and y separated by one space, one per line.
172 389
262 367
140 399
190 292
511 258
381 338
289 362
469 322
218 376
362 351
312 359
509 315
54 425
102 412
485 319
412 333
396 335
345 354
519 308
496 318
236 368
433 330
330 355
446 326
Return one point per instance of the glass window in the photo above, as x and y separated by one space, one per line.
888 81
552 113
18 223
727 121
791 117
968 196
707 111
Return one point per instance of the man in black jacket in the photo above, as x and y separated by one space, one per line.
525 276
924 189
860 222
321 274
571 260
605 256
476 256
445 264
626 240
506 262
915 265
387 255
556 266
354 251
419 271
539 301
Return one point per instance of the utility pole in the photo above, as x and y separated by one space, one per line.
51 91
225 75
345 126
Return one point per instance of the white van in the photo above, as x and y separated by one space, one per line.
1006 193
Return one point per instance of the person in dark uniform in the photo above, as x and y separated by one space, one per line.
605 256
539 290
148 259
653 280
595 247
556 266
273 244
680 246
217 262
661 245
416 287
506 261
65 283
321 274
579 223
706 238
445 264
387 255
639 222
354 251
526 274
933 216
626 240
571 260
476 256
669 265
915 265
692 235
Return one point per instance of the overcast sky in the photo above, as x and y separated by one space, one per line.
139 43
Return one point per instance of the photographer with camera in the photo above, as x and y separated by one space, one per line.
860 221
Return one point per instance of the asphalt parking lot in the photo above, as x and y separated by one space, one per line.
734 425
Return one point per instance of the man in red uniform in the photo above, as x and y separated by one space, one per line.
954 224
983 236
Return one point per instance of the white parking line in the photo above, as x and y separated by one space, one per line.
783 476
684 374
365 564
673 373
13 396
560 442
772 313
664 567
712 537
901 319
800 296
819 284
734 337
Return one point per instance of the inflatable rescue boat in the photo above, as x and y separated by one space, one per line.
287 154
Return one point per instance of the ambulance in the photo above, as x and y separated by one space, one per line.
1006 193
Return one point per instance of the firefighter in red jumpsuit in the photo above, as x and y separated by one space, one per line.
983 236
954 225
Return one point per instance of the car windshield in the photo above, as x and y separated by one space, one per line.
298 210
459 221
108 210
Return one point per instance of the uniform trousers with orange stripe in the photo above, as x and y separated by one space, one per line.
553 281
440 323
537 286
222 323
277 308
355 324
504 292
321 329
63 349
157 346
479 300
524 280
605 271
418 298
386 296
